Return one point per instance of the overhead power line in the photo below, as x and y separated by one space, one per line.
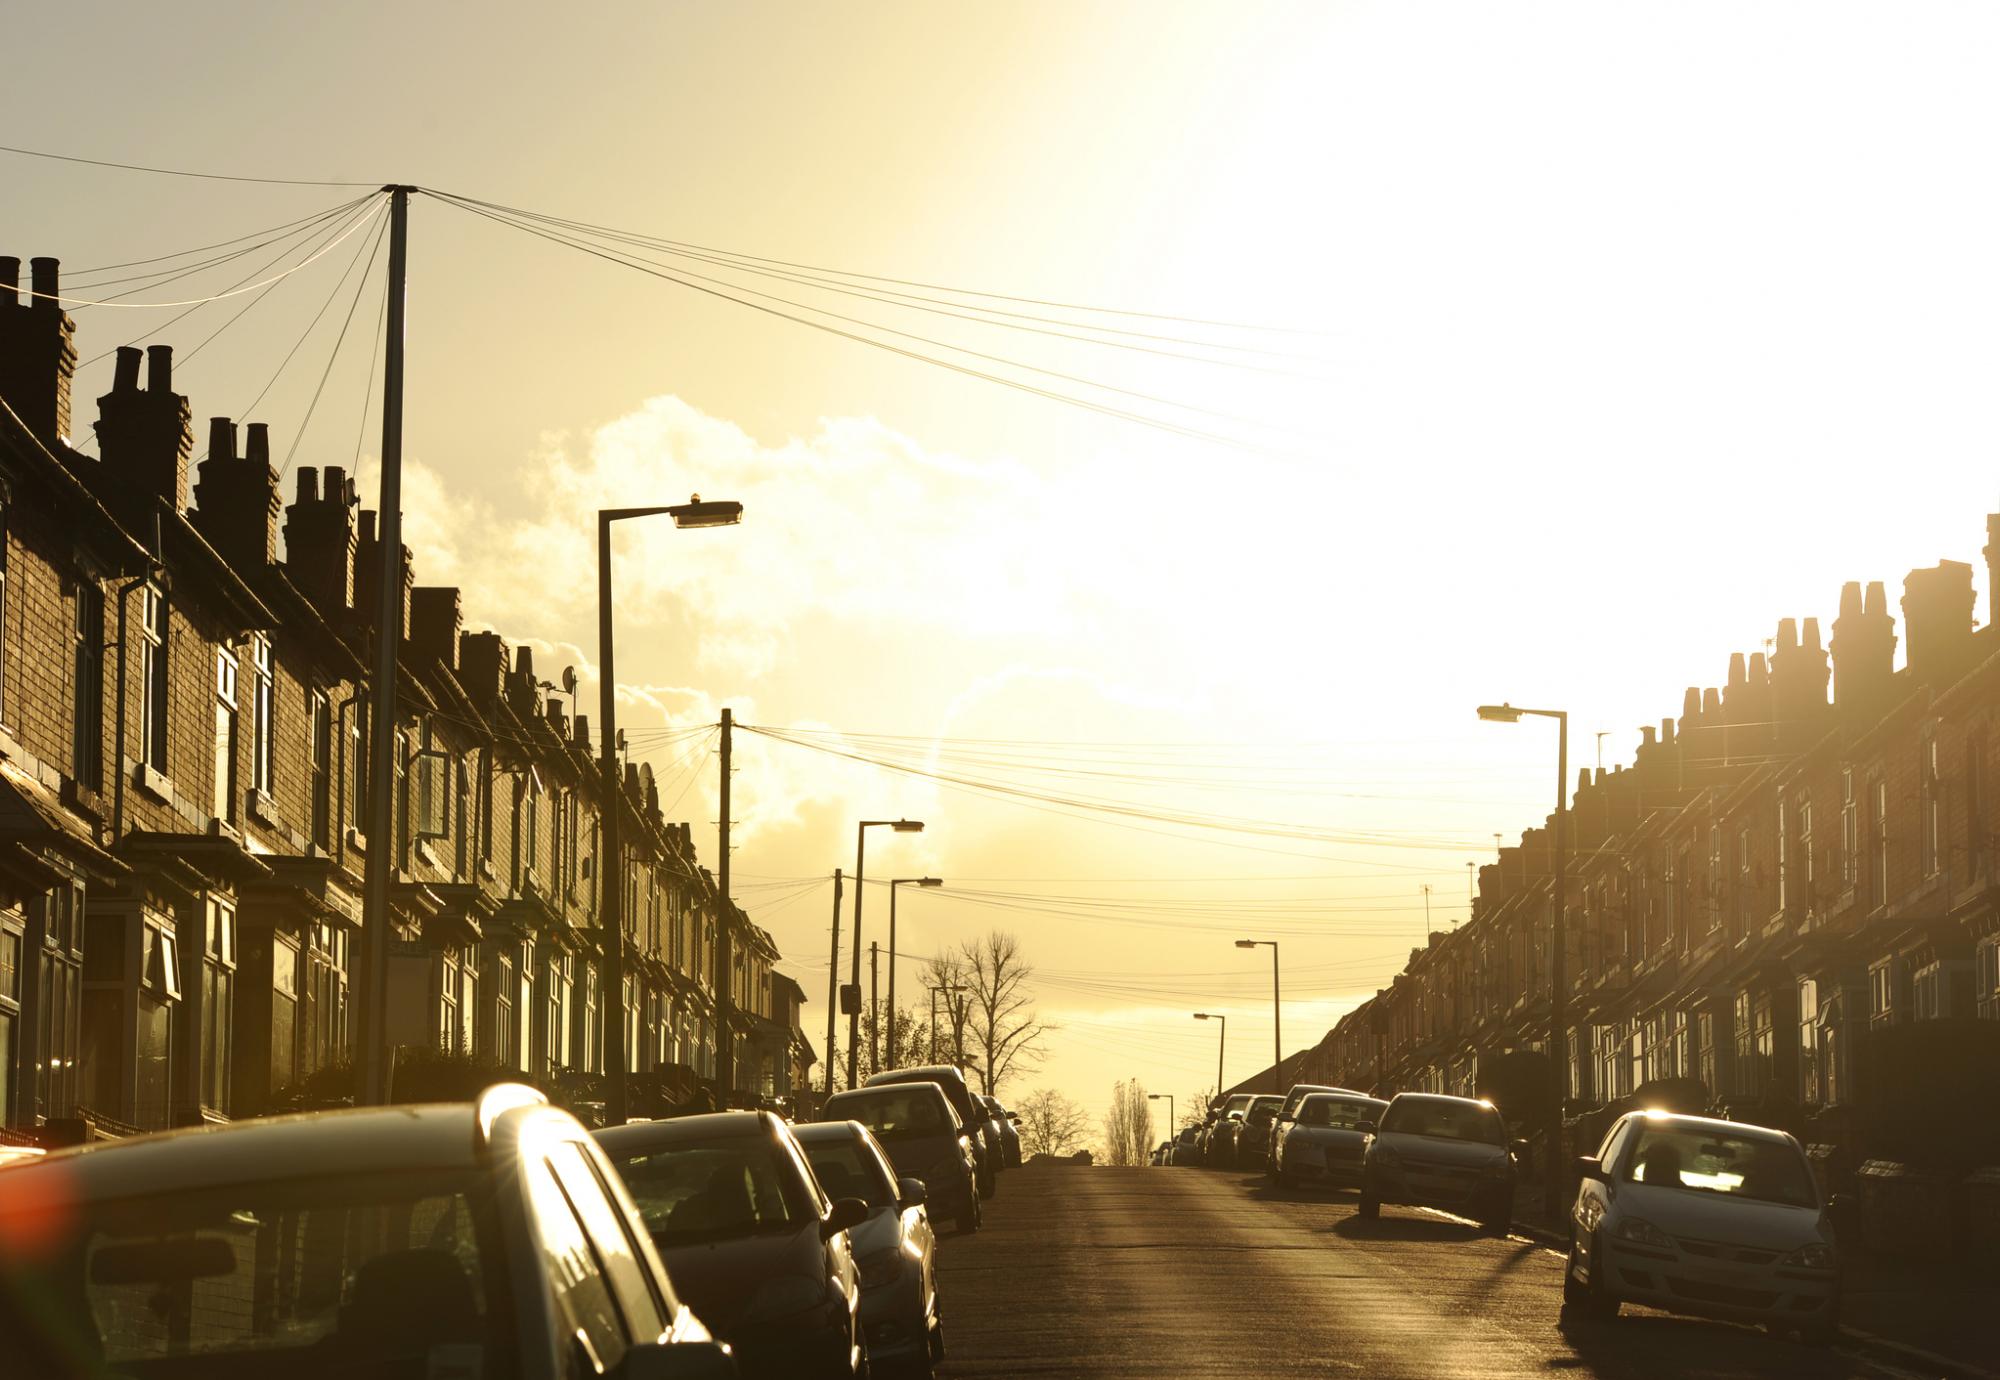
181 172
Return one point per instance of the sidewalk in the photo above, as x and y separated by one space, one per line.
1937 1315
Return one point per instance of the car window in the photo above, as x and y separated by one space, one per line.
585 1309
1710 1161
846 1168
1445 1120
1614 1140
394 1269
894 1113
716 1190
627 1273
1337 1113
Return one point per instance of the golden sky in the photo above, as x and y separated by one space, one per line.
1630 330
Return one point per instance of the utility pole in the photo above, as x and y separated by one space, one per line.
874 1007
725 962
833 983
1427 912
381 861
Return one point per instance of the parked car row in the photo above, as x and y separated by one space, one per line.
501 1237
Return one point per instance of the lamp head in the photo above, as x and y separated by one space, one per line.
908 826
1201 1015
1246 943
695 513
930 881
1499 713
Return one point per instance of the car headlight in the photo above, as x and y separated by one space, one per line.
1817 1255
880 1268
1640 1230
784 1296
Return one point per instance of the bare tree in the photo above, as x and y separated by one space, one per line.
1128 1126
1194 1112
1003 1036
946 979
1051 1124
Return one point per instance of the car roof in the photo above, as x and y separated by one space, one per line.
639 1137
350 1141
889 1090
1744 1129
813 1132
941 1074
1255 1098
1343 1095
1445 1097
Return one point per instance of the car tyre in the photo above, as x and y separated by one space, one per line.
1499 1219
969 1215
987 1183
1368 1207
1825 1331
1588 1300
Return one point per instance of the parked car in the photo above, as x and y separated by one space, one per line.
759 1252
1185 1148
483 1239
1253 1142
1010 1134
915 1124
895 1249
1218 1138
1437 1151
1715 1218
1160 1152
985 1137
1288 1112
1324 1141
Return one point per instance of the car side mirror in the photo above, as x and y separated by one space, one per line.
910 1192
676 1361
1518 1146
1590 1167
847 1212
1366 1128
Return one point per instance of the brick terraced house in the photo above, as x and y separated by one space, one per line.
184 802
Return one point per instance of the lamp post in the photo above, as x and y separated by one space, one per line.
901 826
1277 1045
1558 1005
1220 1045
948 987
693 513
893 884
1172 1129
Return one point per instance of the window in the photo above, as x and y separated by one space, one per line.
1714 906
591 1041
611 1236
1975 811
354 754
485 796
1928 999
501 1042
1811 1093
1744 880
1704 1051
1986 982
263 711
319 726
432 769
87 686
534 813
218 990
286 958
153 677
159 993
326 962
223 805
1882 993
556 1033
1850 830
1785 884
1930 807
575 1275
12 948
57 1012
1804 820
1878 848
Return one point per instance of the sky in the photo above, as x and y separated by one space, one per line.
1590 341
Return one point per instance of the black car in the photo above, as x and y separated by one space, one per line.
1253 1142
751 1242
1010 1134
971 1112
924 1139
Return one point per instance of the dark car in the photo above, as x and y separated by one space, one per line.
925 1140
895 1249
1289 1112
1443 1152
471 1240
1218 1137
758 1251
1253 1142
985 1137
1010 1135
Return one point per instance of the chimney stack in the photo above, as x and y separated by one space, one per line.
368 574
1798 684
435 624
1937 619
236 500
145 435
319 542
482 660
37 351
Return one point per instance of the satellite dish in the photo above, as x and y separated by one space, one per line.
569 679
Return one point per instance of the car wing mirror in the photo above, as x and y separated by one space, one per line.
676 1361
1518 1146
847 1212
1590 1167
910 1192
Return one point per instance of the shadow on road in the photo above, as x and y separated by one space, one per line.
1678 1346
1406 1229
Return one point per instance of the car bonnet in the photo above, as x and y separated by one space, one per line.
1720 1216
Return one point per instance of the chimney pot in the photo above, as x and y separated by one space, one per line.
10 279
335 487
46 282
1812 635
125 373
257 443
1737 676
1878 598
1850 599
1788 634
367 526
159 368
308 489
221 439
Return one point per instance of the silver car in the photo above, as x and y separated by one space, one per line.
1444 1152
1715 1218
1323 1143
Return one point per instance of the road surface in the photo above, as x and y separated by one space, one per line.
1192 1272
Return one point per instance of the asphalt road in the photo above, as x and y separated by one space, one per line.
1194 1272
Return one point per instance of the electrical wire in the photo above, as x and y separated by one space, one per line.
74 273
180 172
299 433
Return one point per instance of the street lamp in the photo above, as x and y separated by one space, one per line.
1558 1004
693 513
1172 1129
901 826
893 884
1277 1045
1220 1045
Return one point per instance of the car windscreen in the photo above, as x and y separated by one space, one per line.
341 1274
894 1113
1445 1121
1262 1113
715 1190
1716 1162
1337 1113
845 1170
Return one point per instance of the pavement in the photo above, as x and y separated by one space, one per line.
1182 1272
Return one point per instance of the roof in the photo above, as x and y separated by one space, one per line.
361 1141
1442 1097
1744 1129
640 1137
815 1131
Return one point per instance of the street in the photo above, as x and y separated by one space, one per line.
1183 1272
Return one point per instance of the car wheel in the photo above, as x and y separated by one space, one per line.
1500 1216
1590 1300
968 1216
1369 1207
986 1184
1824 1332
